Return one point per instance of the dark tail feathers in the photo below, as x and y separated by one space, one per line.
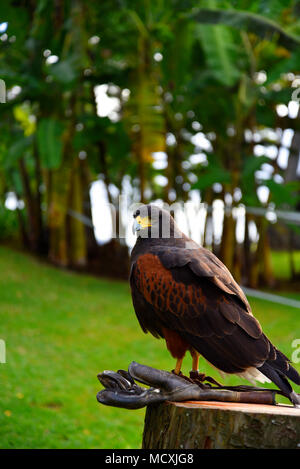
278 371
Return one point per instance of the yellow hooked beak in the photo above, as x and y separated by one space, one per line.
140 223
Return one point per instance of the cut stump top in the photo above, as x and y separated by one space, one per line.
279 409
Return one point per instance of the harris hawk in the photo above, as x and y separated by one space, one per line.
183 293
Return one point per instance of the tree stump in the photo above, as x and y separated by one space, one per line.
221 425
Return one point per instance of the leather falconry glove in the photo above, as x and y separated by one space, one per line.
121 389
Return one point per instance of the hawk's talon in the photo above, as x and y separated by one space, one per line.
195 375
181 375
177 374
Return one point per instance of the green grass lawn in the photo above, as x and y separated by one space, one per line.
61 329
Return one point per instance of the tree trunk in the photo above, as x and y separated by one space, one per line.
58 198
77 249
57 212
30 203
91 242
207 198
228 240
141 168
21 218
41 242
221 425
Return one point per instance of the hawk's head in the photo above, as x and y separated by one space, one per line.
151 221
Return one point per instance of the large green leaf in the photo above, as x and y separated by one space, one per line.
251 165
245 21
49 140
220 50
284 194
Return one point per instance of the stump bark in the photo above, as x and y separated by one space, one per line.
221 425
